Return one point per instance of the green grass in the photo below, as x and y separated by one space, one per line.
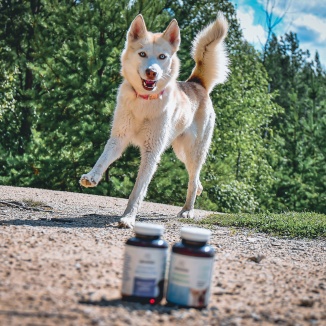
290 224
36 204
33 203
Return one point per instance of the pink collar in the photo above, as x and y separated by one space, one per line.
150 96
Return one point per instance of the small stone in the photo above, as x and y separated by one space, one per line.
306 302
298 248
204 312
255 317
257 259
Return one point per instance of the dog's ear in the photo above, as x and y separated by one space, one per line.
137 29
172 34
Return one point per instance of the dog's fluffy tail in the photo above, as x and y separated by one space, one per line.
210 55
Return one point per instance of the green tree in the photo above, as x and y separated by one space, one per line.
300 167
17 35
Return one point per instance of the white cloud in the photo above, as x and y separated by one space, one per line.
296 7
311 31
313 23
306 18
254 34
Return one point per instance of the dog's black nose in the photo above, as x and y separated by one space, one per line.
151 73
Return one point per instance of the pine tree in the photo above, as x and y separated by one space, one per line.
300 166
17 35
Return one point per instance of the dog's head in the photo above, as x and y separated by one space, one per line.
149 60
198 297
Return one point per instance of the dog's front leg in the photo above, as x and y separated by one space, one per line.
148 165
112 151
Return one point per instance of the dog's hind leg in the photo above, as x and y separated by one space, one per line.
112 151
191 148
194 187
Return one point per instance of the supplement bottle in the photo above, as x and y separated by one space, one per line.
144 265
191 269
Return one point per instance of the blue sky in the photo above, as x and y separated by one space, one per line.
307 18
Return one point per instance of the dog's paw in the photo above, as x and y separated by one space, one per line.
127 222
184 213
89 180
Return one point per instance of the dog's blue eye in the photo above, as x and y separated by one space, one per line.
162 56
142 54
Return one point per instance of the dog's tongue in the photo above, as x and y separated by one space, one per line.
149 83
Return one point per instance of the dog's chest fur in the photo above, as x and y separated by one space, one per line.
143 119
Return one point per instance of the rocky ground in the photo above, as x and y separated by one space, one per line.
61 257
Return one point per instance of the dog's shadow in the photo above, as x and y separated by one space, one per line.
82 221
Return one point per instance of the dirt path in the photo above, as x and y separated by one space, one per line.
67 270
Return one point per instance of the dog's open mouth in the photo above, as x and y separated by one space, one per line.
149 85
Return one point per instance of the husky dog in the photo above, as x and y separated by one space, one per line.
154 111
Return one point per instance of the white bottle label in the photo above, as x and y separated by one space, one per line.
189 280
143 271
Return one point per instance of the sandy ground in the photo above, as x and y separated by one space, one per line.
61 263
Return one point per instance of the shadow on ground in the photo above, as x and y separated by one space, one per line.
162 308
83 221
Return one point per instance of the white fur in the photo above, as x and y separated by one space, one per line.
209 50
182 116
